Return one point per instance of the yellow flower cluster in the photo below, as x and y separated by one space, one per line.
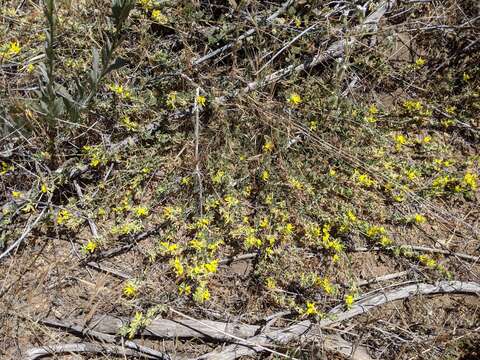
9 50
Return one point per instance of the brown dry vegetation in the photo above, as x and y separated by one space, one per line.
179 189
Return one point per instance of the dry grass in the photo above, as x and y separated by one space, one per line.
379 150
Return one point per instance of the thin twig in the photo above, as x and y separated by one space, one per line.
17 243
197 155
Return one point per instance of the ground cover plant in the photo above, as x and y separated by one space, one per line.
217 179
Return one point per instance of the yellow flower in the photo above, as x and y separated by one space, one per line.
332 172
296 184
265 175
427 261
141 211
264 223
400 140
11 49
349 299
211 267
373 109
130 289
311 309
288 229
419 219
62 216
327 286
30 68
470 180
363 179
44 188
201 100
120 91
420 62
158 17
90 246
129 124
177 266
294 99
427 139
385 241
351 216
201 293
466 77
16 194
268 146
313 125
412 105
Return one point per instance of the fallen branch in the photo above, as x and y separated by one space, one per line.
178 328
423 249
81 331
39 352
336 316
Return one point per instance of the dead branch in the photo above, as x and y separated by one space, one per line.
178 328
39 352
337 315
424 249
81 331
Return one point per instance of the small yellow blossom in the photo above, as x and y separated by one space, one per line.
419 219
158 17
177 266
349 299
420 62
268 146
270 283
130 289
427 261
16 194
62 216
466 77
265 175
373 109
129 124
201 100
201 293
90 246
294 99
44 188
470 180
311 309
141 211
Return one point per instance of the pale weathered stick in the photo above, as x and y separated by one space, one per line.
40 352
364 305
247 34
178 329
423 249
336 316
82 331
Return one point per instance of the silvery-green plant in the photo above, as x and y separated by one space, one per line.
54 98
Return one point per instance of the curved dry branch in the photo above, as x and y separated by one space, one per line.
39 352
337 315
